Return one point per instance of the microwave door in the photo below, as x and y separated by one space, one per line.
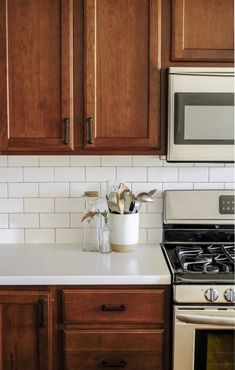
201 119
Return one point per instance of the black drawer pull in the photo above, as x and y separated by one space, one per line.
89 130
121 308
41 315
122 363
66 131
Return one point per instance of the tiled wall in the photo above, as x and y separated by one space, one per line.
41 196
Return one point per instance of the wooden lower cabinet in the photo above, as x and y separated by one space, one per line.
99 349
25 330
115 327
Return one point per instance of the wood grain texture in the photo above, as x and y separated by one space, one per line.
140 349
38 39
203 30
25 344
122 74
142 306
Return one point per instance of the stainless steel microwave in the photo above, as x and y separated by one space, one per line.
201 115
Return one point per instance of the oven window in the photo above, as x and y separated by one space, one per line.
204 118
214 350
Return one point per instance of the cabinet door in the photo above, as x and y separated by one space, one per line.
122 75
98 349
25 331
36 75
202 30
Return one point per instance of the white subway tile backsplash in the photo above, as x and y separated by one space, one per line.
3 222
53 160
69 236
22 160
23 189
193 174
54 189
63 174
23 220
85 160
132 174
150 220
38 174
3 190
48 220
100 173
146 187
143 236
163 174
225 174
39 205
3 161
39 236
11 174
11 236
69 205
155 236
10 205
177 186
156 206
208 185
147 161
41 196
77 189
229 185
116 161
76 220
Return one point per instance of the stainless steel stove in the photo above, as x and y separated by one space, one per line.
198 243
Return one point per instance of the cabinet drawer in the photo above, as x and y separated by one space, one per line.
132 350
104 306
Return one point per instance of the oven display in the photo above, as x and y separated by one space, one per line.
214 350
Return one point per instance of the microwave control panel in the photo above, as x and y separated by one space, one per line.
226 204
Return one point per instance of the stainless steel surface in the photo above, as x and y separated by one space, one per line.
189 319
206 319
195 207
205 81
211 295
229 295
144 197
192 294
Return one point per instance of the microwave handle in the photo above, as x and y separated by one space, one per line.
199 319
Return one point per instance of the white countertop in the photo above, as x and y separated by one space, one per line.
67 264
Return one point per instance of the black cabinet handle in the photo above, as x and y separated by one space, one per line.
89 130
66 131
106 307
41 315
122 363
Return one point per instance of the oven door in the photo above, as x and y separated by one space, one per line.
203 338
201 117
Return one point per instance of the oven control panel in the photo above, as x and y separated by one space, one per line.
226 204
204 293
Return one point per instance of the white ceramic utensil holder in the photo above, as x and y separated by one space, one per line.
124 231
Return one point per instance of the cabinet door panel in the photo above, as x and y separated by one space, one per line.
97 349
25 331
121 74
203 30
35 73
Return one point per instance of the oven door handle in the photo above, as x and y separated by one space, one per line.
199 319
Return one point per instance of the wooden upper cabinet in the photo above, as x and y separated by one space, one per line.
203 30
36 62
25 330
121 75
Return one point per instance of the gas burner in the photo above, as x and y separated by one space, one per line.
206 259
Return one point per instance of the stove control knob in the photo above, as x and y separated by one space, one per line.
211 295
229 295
